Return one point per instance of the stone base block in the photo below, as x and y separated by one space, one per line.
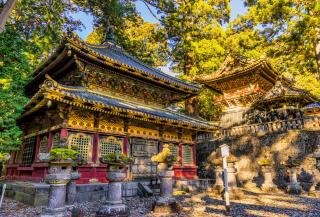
166 206
113 210
58 212
269 188
294 188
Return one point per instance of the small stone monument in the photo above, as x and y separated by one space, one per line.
294 186
265 162
116 174
166 203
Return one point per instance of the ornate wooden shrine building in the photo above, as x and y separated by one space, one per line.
103 100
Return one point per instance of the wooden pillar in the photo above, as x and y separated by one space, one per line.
95 148
50 138
37 149
180 153
125 145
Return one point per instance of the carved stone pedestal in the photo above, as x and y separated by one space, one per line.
114 205
294 187
58 176
166 204
72 188
267 185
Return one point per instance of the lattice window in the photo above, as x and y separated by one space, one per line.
28 151
43 145
56 140
18 156
83 142
174 149
110 145
187 154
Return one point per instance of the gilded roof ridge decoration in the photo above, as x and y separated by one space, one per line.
76 41
80 96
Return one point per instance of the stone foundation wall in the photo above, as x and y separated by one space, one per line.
283 144
36 194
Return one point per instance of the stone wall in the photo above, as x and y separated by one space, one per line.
36 194
247 147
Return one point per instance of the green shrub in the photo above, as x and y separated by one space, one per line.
63 154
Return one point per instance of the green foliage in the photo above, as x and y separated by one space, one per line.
143 40
42 24
14 71
284 31
117 158
57 154
194 30
208 109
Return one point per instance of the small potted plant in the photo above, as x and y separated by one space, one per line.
165 159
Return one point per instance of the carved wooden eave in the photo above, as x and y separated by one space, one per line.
238 67
72 48
283 92
91 100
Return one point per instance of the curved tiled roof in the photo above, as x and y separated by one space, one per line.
312 105
87 98
117 54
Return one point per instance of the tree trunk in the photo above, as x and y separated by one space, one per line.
6 10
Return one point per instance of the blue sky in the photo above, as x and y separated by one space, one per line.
236 9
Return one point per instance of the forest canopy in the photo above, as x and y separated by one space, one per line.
192 37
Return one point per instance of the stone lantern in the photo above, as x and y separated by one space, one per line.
315 178
165 204
59 174
116 174
294 186
265 162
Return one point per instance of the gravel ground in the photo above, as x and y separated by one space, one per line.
254 204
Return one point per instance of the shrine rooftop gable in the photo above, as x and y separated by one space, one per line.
75 53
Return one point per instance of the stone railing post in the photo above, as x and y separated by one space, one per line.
58 177
72 188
